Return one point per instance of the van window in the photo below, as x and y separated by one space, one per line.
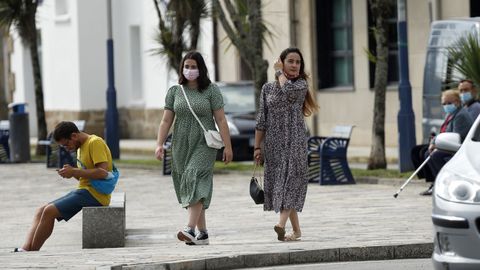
438 75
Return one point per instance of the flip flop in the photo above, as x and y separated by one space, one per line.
293 236
280 232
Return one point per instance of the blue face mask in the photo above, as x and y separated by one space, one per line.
449 108
465 97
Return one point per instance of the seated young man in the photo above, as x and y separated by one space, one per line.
94 154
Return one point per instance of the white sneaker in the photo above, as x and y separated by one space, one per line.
201 239
186 235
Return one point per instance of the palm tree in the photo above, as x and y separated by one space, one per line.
21 15
464 57
180 16
381 11
247 33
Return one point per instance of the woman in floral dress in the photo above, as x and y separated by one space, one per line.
193 160
281 128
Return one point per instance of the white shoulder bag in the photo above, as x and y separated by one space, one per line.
212 137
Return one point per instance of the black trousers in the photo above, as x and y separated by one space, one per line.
418 154
437 159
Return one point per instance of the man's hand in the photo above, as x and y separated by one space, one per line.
67 171
431 147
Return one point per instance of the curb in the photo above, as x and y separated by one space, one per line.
407 251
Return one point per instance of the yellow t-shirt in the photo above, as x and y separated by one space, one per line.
92 152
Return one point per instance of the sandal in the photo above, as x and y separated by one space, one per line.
293 236
280 232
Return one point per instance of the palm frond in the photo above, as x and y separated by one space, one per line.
464 57
179 18
19 14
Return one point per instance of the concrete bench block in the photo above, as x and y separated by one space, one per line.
104 226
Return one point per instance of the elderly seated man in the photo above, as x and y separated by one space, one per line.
457 119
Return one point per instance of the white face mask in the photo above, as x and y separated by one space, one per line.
191 74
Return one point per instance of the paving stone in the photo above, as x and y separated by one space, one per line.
334 218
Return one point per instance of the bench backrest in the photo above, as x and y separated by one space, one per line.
342 131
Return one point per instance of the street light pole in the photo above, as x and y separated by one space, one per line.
111 114
405 117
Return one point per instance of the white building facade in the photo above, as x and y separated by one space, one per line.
74 65
75 71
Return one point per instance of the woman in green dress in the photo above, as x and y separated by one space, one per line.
193 160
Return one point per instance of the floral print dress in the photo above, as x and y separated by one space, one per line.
280 116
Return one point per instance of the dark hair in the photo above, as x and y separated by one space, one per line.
64 130
310 106
203 80
466 80
284 54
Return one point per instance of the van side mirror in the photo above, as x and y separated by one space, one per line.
448 141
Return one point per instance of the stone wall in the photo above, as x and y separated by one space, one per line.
133 123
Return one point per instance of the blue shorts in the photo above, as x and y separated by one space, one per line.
72 203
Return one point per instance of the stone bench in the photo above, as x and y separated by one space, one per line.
104 226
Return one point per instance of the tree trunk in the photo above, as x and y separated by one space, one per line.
260 65
247 38
37 79
377 158
260 77
3 84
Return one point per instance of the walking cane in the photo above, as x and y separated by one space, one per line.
410 178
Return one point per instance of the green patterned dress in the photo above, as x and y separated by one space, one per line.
193 160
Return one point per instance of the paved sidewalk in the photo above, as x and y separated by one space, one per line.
148 147
349 222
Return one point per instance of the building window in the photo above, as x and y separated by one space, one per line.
61 8
334 43
474 8
62 14
392 45
136 63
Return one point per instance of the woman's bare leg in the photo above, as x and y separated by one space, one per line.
284 214
295 221
194 213
202 222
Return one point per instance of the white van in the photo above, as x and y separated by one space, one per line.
437 75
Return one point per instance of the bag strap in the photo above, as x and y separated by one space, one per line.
259 175
85 167
190 107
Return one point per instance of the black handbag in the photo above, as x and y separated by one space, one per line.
256 190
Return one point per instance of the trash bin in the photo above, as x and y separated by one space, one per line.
19 133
